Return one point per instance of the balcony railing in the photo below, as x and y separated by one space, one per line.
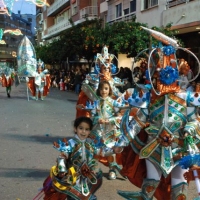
177 2
55 6
125 18
90 11
57 28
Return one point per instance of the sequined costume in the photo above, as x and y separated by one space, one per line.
7 81
39 83
104 70
165 114
81 178
107 134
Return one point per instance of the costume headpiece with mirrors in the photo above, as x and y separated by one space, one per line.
40 64
104 60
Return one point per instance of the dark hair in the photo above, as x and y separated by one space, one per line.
101 84
79 120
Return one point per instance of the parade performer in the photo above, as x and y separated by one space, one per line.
168 117
40 82
104 70
106 119
75 175
7 80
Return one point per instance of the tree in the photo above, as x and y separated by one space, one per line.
88 38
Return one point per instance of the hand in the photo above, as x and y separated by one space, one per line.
27 79
101 121
117 149
185 135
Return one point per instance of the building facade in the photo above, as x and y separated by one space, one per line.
182 14
54 19
12 38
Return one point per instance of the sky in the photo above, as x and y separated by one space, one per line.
25 7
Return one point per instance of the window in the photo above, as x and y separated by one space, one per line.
126 11
133 6
149 3
119 10
74 8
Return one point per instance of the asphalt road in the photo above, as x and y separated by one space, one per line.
27 131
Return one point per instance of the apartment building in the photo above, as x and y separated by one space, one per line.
183 14
12 38
56 18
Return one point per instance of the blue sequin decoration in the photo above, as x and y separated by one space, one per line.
168 75
192 99
189 161
168 50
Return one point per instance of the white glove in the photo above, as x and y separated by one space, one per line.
27 79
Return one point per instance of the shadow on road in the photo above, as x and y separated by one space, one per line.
24 173
35 138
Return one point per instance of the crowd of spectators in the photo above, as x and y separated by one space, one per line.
71 80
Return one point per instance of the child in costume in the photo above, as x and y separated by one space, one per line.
106 119
104 70
75 175
168 116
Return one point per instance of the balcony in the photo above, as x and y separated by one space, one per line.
125 18
89 12
56 29
57 7
183 14
177 2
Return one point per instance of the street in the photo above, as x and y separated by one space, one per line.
28 130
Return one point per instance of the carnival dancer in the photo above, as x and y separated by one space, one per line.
7 81
75 175
169 119
40 82
104 70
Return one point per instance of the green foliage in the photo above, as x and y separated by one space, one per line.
88 38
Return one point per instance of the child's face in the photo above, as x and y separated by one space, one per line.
104 91
83 130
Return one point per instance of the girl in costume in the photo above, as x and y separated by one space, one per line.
169 119
75 175
104 70
106 119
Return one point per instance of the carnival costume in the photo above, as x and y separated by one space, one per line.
108 133
8 79
104 70
167 116
40 82
81 178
